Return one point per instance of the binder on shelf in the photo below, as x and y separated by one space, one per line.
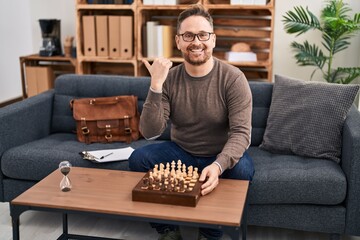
102 33
126 36
114 36
89 35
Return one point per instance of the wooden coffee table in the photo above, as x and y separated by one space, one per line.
102 192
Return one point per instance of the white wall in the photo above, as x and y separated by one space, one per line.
284 62
20 36
15 41
63 10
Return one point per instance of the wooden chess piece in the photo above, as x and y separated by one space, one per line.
181 185
145 183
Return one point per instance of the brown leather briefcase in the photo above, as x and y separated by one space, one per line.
106 119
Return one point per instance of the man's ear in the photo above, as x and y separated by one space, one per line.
177 39
214 40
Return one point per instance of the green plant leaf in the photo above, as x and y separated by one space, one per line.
343 75
335 45
300 21
335 8
308 55
336 28
357 18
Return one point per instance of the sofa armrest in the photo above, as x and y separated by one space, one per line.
350 164
25 121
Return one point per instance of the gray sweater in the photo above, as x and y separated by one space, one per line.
210 115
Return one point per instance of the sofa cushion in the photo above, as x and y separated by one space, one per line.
306 118
290 179
37 159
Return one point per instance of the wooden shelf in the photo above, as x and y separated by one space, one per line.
56 64
252 24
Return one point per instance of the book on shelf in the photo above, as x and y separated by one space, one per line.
148 2
160 2
167 41
150 36
159 40
241 56
109 1
248 2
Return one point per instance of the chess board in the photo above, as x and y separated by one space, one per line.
169 186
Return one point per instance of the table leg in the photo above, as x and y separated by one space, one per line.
15 228
234 233
15 212
244 221
65 223
65 234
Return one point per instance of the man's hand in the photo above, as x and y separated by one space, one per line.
211 175
158 71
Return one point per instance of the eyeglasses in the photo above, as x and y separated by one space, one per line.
189 36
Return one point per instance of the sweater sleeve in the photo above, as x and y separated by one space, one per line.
154 116
239 102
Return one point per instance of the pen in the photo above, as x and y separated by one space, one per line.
106 155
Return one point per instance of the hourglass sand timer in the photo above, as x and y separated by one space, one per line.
65 184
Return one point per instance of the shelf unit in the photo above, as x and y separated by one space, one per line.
252 24
53 66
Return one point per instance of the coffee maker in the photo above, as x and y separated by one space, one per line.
51 37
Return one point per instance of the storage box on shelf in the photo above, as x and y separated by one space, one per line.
250 23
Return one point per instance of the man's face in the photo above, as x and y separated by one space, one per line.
196 52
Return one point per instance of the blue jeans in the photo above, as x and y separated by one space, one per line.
144 158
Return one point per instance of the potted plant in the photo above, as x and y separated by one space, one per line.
336 28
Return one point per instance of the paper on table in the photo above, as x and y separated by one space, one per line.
110 155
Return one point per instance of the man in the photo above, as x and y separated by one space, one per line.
209 104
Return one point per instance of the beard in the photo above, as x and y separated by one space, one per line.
196 60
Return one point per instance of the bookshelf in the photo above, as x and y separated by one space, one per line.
251 24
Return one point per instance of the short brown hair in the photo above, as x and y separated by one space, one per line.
194 10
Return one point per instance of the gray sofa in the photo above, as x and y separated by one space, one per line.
287 191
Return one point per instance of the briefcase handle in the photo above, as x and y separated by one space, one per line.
104 101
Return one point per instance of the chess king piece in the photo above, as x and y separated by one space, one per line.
65 184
